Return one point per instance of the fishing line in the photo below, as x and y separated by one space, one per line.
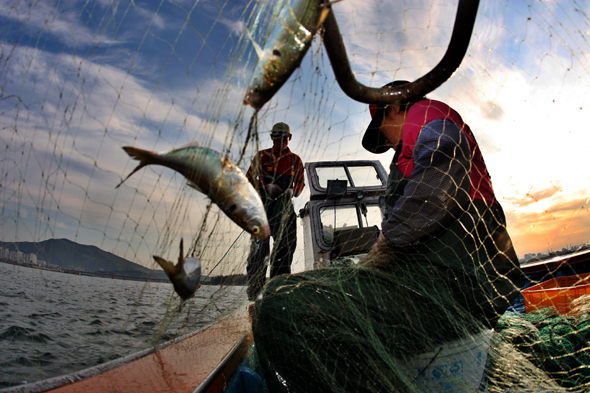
253 120
202 229
224 255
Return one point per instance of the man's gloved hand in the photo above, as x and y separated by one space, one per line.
289 193
273 191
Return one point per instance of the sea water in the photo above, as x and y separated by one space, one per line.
53 324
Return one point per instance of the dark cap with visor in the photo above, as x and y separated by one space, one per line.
374 140
280 130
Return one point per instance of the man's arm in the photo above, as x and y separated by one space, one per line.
438 188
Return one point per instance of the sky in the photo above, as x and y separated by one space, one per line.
79 80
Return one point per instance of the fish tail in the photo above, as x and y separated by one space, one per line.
167 266
259 50
180 264
145 157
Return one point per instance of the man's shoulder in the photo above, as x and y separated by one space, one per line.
428 110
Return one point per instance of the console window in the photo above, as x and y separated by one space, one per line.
338 218
364 176
331 173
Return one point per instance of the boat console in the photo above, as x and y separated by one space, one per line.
343 217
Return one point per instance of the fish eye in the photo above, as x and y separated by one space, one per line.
276 52
232 208
255 230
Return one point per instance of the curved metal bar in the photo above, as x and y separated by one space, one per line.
464 21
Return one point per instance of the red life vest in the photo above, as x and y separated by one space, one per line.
271 175
426 111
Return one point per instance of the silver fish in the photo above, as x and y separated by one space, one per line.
214 175
185 276
289 41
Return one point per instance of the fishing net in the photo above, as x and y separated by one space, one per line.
80 80
554 343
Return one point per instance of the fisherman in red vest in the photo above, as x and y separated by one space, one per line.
277 174
440 210
444 269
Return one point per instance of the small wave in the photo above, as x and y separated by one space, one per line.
96 322
43 359
14 333
23 361
46 358
63 343
95 333
45 315
10 384
21 294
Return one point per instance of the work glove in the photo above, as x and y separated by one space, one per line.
273 191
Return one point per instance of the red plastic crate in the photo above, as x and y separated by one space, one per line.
558 292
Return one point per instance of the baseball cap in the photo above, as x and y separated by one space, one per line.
374 140
280 130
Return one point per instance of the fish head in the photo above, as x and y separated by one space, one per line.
248 212
258 226
242 204
250 215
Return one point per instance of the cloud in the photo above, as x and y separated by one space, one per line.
563 224
492 111
45 19
538 195
236 27
65 119
151 18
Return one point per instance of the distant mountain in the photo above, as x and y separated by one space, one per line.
69 255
